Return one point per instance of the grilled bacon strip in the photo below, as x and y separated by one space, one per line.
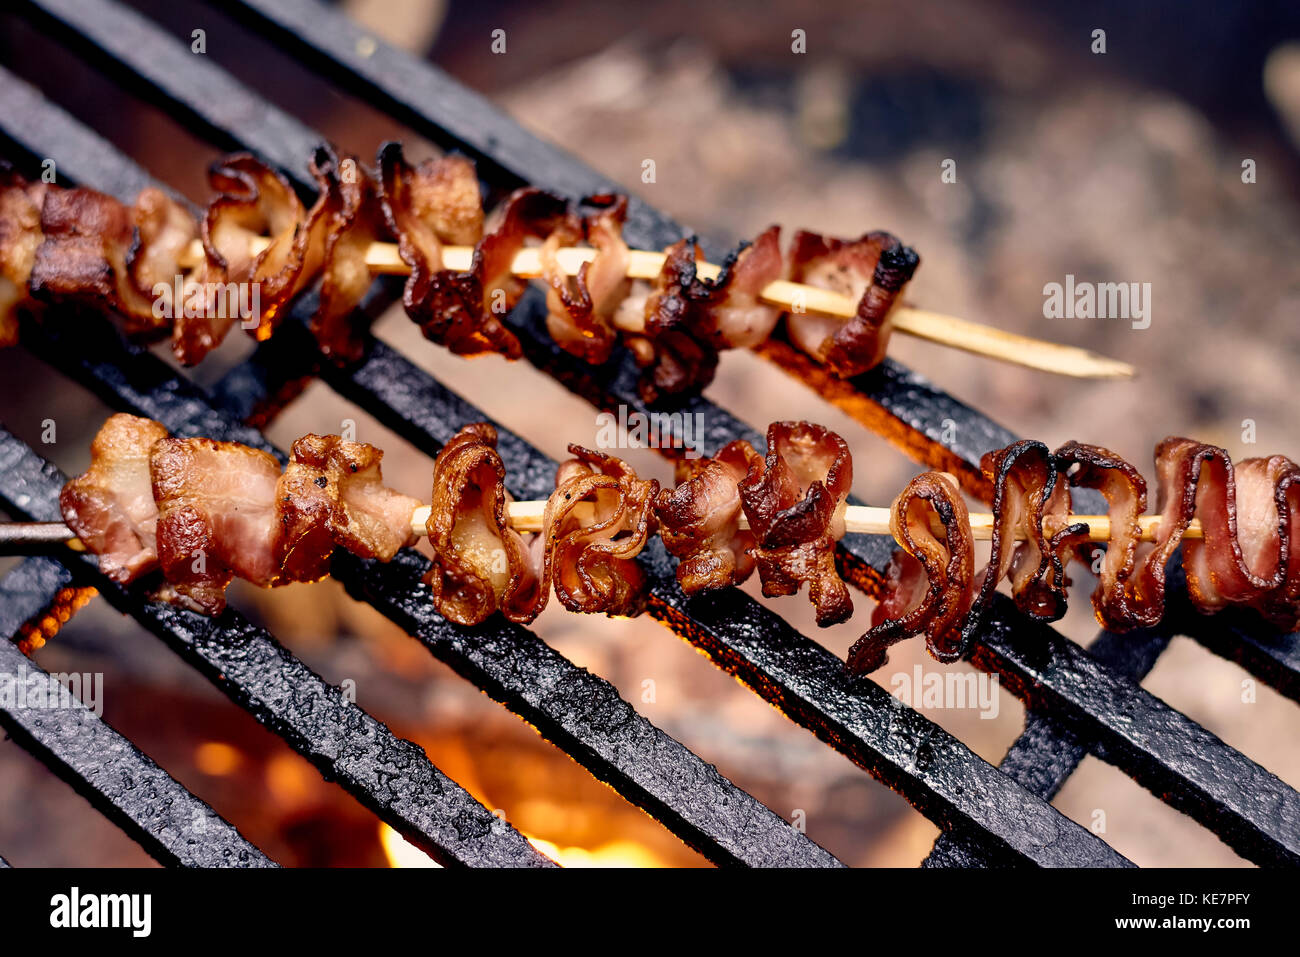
345 483
699 520
688 319
873 269
207 512
356 219
581 308
1249 515
110 506
480 563
216 518
794 500
930 580
83 258
591 558
80 246
427 206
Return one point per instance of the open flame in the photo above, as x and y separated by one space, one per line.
610 854
402 853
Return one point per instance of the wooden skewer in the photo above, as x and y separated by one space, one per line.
528 517
935 327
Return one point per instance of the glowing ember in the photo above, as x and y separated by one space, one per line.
216 758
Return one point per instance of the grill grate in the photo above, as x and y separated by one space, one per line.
1079 702
173 825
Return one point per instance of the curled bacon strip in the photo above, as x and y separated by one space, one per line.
794 500
590 555
580 309
350 199
689 318
1031 542
110 506
87 242
1027 499
873 270
438 202
333 493
1125 491
480 563
1250 517
929 581
699 520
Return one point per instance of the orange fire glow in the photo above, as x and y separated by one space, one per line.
401 853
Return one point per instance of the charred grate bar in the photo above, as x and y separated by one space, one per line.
115 776
28 590
112 32
1050 748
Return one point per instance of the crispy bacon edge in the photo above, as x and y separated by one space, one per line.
795 500
688 319
460 310
878 264
929 581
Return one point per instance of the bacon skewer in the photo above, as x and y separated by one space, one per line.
383 258
527 516
203 512
162 272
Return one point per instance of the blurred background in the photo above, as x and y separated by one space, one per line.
1122 166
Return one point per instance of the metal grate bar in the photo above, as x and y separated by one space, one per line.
389 775
29 590
1050 748
409 90
1236 635
173 825
102 31
1179 761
